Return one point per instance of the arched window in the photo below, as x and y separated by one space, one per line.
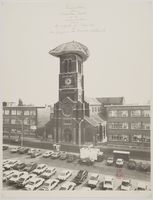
65 66
70 65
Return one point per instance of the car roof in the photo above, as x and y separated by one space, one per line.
35 179
108 178
143 185
66 184
40 165
126 180
50 168
65 170
94 175
51 180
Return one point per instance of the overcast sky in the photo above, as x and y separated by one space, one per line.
117 33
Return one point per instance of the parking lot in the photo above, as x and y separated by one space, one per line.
118 174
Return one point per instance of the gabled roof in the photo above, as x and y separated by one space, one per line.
111 100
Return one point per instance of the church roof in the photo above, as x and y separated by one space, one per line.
92 101
71 47
111 100
94 120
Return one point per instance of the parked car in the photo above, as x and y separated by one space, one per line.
56 155
47 154
15 149
93 180
68 186
144 166
8 174
11 164
126 185
63 156
6 161
5 147
20 165
23 150
119 162
84 188
64 175
34 183
40 169
141 187
48 173
107 184
49 185
70 158
15 177
86 161
110 161
30 166
25 179
36 153
131 164
80 177
30 151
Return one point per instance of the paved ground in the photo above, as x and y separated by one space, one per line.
99 167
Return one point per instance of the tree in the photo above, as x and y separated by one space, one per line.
20 102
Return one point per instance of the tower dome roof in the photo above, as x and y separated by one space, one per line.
71 47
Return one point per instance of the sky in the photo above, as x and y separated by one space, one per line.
116 32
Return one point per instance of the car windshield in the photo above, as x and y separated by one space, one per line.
110 159
125 183
93 178
31 183
62 188
141 188
46 184
21 179
15 176
108 182
39 167
48 171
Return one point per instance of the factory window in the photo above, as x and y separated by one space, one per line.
32 112
26 121
13 121
26 112
6 121
146 126
122 113
118 125
32 122
135 113
13 112
112 113
136 125
19 112
146 113
123 138
140 138
7 112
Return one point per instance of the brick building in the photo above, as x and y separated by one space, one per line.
18 119
128 124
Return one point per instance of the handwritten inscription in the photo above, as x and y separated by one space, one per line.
75 19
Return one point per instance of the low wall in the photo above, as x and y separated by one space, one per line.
134 154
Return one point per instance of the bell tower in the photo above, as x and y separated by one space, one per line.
70 110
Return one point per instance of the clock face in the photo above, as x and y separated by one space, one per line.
68 81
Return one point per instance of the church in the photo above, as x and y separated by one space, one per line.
74 120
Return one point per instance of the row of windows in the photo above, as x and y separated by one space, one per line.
68 66
124 125
138 138
125 113
19 130
16 121
20 112
95 109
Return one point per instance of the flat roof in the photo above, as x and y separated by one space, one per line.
128 105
